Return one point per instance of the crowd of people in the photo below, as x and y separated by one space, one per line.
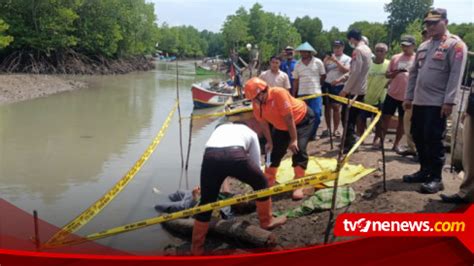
419 85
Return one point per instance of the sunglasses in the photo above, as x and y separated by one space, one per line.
431 23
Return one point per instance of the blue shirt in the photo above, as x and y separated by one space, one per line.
288 67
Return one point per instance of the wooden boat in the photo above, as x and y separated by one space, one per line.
207 97
167 58
202 70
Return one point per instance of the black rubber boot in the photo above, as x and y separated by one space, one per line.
418 177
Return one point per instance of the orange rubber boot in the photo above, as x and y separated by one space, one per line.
199 237
271 173
264 211
299 192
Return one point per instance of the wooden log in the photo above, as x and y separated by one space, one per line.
241 231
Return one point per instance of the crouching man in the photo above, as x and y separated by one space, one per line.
232 150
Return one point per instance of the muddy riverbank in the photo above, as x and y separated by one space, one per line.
22 87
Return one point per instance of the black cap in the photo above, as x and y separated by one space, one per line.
354 33
436 14
338 43
407 40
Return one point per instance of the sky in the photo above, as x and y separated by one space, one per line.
211 14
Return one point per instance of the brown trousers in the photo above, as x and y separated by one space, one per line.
407 125
466 190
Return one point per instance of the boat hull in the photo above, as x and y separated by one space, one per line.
203 98
202 71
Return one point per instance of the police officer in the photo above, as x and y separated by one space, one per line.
434 81
356 84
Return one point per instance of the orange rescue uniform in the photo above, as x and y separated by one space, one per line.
279 103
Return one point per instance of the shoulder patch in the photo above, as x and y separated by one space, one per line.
459 51
459 46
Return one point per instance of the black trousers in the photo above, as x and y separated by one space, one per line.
219 163
428 129
351 137
281 140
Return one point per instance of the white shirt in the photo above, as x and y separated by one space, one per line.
276 80
309 76
333 72
229 135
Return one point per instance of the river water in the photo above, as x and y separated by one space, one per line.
61 153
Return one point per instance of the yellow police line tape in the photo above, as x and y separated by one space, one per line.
366 133
359 105
100 204
308 180
87 215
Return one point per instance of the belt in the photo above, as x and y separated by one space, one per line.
225 148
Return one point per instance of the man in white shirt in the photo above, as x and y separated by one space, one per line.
274 76
309 75
232 150
337 64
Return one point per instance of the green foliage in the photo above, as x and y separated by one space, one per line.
5 40
402 13
235 30
109 28
259 23
137 21
269 31
186 41
282 33
40 24
465 31
97 27
322 43
414 29
308 28
374 31
118 28
334 34
215 43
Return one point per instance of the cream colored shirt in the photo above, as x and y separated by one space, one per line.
276 80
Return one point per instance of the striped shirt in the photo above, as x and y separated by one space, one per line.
309 76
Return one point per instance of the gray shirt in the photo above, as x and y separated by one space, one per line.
436 75
359 71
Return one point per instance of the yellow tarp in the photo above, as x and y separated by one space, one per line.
349 173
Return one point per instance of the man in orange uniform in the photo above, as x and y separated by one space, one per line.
292 123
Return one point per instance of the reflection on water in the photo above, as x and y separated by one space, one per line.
61 153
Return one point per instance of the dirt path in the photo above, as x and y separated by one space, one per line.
21 87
